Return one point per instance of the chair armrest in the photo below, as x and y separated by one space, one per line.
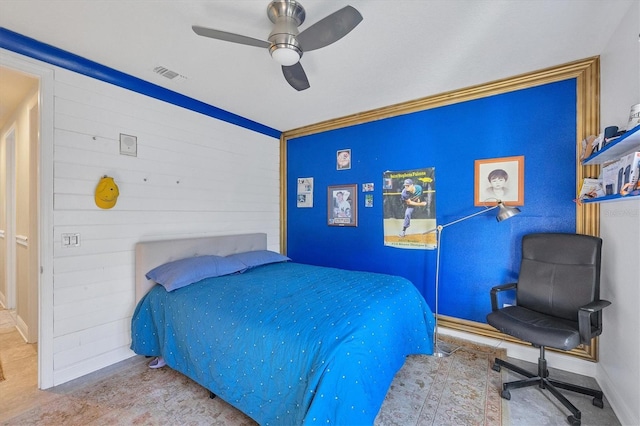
585 320
595 306
497 289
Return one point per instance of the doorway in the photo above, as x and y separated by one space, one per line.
19 126
19 96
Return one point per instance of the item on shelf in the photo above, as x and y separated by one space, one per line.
597 143
612 133
634 117
587 146
629 168
591 188
610 178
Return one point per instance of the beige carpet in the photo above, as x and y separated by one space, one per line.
457 390
461 389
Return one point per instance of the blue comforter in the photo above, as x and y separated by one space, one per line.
288 343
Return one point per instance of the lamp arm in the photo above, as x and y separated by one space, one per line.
440 227
502 215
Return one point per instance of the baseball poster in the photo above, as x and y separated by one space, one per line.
409 208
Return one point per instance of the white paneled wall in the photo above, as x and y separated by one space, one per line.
619 367
193 175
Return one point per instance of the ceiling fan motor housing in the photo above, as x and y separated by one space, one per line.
287 16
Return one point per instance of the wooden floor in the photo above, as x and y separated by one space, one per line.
19 390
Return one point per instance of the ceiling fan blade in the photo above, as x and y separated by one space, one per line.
225 36
296 76
330 29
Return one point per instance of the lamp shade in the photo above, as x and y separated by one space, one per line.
285 55
505 212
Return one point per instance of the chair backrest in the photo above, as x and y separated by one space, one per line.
559 273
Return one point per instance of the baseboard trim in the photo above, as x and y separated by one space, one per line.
568 363
22 327
617 401
95 363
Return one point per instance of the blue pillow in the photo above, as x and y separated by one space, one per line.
181 273
251 259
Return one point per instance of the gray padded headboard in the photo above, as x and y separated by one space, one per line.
150 254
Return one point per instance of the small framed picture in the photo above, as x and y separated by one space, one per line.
342 205
343 159
499 179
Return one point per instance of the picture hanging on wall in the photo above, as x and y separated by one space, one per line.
342 203
343 159
409 208
499 179
305 192
368 200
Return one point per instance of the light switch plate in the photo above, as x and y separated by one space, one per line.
70 240
128 145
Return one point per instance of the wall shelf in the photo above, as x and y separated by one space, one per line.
625 144
635 195
629 142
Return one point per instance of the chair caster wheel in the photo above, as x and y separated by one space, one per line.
505 394
573 421
597 402
212 395
496 367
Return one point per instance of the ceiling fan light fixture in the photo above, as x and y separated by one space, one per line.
285 48
286 44
285 55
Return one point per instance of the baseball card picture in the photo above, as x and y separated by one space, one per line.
409 208
342 205
343 159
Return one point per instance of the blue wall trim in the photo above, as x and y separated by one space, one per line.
35 49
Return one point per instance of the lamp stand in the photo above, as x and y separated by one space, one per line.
441 349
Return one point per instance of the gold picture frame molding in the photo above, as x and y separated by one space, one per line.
587 75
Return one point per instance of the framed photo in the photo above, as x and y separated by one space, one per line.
343 159
499 179
342 205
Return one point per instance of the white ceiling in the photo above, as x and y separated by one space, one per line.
402 50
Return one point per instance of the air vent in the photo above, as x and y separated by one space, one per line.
166 72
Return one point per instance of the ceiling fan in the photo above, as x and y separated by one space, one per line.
285 43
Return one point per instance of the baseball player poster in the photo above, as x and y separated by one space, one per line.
409 208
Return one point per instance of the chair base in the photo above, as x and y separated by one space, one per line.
544 382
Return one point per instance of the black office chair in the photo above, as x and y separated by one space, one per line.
558 305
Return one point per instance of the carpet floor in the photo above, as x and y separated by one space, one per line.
455 390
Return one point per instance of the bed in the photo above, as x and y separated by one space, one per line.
285 343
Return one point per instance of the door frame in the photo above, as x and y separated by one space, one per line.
44 208
9 138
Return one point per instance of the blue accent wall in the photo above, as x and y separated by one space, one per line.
35 49
538 123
